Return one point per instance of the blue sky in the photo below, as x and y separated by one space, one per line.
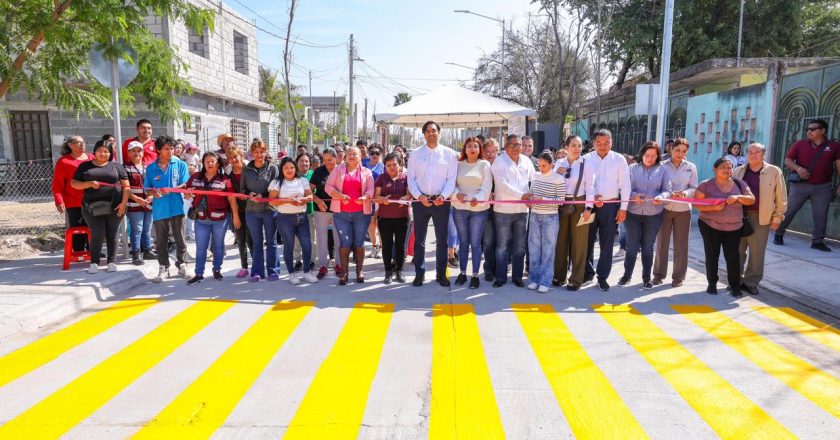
398 39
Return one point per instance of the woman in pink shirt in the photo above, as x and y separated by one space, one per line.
350 186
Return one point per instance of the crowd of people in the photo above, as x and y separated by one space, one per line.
517 210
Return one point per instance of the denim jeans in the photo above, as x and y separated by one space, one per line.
452 230
641 235
263 232
511 241
470 226
352 227
440 219
488 243
204 229
542 240
140 224
293 226
622 236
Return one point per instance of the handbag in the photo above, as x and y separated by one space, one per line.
793 176
192 213
747 228
100 208
569 209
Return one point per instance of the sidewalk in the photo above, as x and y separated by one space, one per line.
804 275
35 292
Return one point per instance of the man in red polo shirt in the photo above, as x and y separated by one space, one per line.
814 160
144 136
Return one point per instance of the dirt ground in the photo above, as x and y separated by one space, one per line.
28 229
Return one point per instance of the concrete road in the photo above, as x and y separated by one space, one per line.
233 359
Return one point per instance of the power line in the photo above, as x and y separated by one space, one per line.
416 79
299 41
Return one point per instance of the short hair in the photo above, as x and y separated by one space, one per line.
650 145
526 138
301 146
106 136
330 151
463 155
569 139
160 141
234 151
680 141
510 138
301 155
428 123
391 156
758 145
143 121
205 156
821 123
547 156
602 132
102 144
283 162
720 161
257 143
491 141
481 138
732 145
361 142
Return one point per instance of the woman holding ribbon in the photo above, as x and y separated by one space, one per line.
293 193
473 187
391 187
350 186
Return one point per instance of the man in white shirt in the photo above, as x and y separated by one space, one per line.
612 183
432 171
512 174
490 147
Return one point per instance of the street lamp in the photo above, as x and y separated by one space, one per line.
459 65
502 21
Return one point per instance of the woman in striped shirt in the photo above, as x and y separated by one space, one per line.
544 223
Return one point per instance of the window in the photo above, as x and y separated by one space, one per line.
199 43
240 130
240 53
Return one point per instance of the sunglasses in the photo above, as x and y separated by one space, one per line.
568 174
374 153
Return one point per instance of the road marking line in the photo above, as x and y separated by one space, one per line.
813 383
35 355
334 404
205 405
463 404
77 400
591 405
802 323
728 412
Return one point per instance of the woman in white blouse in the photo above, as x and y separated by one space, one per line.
472 190
293 192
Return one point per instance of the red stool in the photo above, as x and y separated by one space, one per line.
69 254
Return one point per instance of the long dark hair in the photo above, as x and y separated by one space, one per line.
102 144
205 156
463 155
283 162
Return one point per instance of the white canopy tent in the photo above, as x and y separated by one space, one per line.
454 107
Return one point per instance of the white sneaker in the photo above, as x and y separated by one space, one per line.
93 268
533 286
112 267
163 273
182 270
621 253
375 252
293 278
310 278
543 289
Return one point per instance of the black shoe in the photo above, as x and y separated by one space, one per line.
736 292
647 285
518 283
474 283
149 254
398 277
461 280
711 289
136 259
603 284
624 280
498 283
443 281
217 275
388 276
195 280
489 277
572 287
752 290
418 281
779 240
298 266
820 247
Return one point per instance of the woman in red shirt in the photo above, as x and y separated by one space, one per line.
68 201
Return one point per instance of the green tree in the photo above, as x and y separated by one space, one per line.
820 30
401 98
44 47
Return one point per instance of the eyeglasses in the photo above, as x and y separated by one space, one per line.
77 142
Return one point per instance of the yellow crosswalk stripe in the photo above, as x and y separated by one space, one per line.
68 406
463 405
335 402
728 412
205 405
28 358
813 383
804 324
591 405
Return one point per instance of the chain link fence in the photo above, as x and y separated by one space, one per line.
26 204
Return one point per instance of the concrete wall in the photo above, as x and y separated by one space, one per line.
716 119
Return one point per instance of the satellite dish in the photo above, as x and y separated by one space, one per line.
100 68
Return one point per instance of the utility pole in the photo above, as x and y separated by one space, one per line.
665 73
740 33
364 124
502 81
354 134
351 123
310 120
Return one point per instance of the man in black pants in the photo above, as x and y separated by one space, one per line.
431 180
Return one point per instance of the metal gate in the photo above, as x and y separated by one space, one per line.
30 135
